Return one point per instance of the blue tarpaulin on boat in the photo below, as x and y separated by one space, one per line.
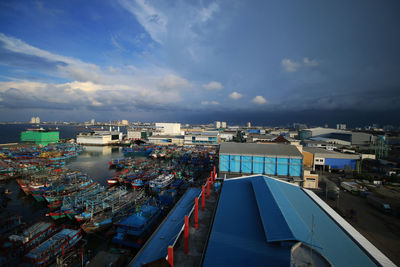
157 246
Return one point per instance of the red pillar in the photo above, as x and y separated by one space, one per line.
171 255
215 172
196 213
186 234
203 198
208 188
211 178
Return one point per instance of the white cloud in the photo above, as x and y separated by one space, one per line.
210 103
235 95
289 65
310 63
152 84
293 66
259 100
213 86
153 20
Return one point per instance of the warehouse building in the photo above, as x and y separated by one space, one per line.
166 139
40 137
202 138
326 159
274 223
271 159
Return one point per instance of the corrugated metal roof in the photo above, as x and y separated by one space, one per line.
157 245
242 229
274 223
259 149
323 153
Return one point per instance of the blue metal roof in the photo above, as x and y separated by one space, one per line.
255 212
157 246
237 236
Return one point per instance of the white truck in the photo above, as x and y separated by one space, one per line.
352 187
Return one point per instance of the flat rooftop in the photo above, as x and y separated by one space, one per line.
259 149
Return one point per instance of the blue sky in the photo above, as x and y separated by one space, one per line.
200 61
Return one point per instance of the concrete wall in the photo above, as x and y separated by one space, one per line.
308 159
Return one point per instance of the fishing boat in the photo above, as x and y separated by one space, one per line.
137 183
112 181
32 236
45 253
113 214
161 181
132 230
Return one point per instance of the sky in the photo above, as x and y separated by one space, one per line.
267 62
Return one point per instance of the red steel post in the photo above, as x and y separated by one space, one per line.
208 188
171 255
215 172
203 198
196 213
186 234
211 178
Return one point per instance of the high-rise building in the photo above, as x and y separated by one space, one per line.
92 121
217 124
223 124
341 126
124 122
37 120
33 120
248 124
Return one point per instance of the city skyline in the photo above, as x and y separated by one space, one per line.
201 61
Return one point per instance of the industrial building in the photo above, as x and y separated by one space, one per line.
336 136
271 159
261 221
166 139
326 159
99 138
258 221
40 137
202 138
169 128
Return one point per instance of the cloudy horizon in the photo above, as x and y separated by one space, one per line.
194 61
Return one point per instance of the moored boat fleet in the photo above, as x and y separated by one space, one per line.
139 193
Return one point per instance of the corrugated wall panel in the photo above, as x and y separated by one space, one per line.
295 167
270 165
341 163
258 165
247 164
224 163
235 163
283 166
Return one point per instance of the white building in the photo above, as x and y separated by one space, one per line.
248 124
223 124
217 124
99 138
124 122
341 126
92 121
169 128
33 120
